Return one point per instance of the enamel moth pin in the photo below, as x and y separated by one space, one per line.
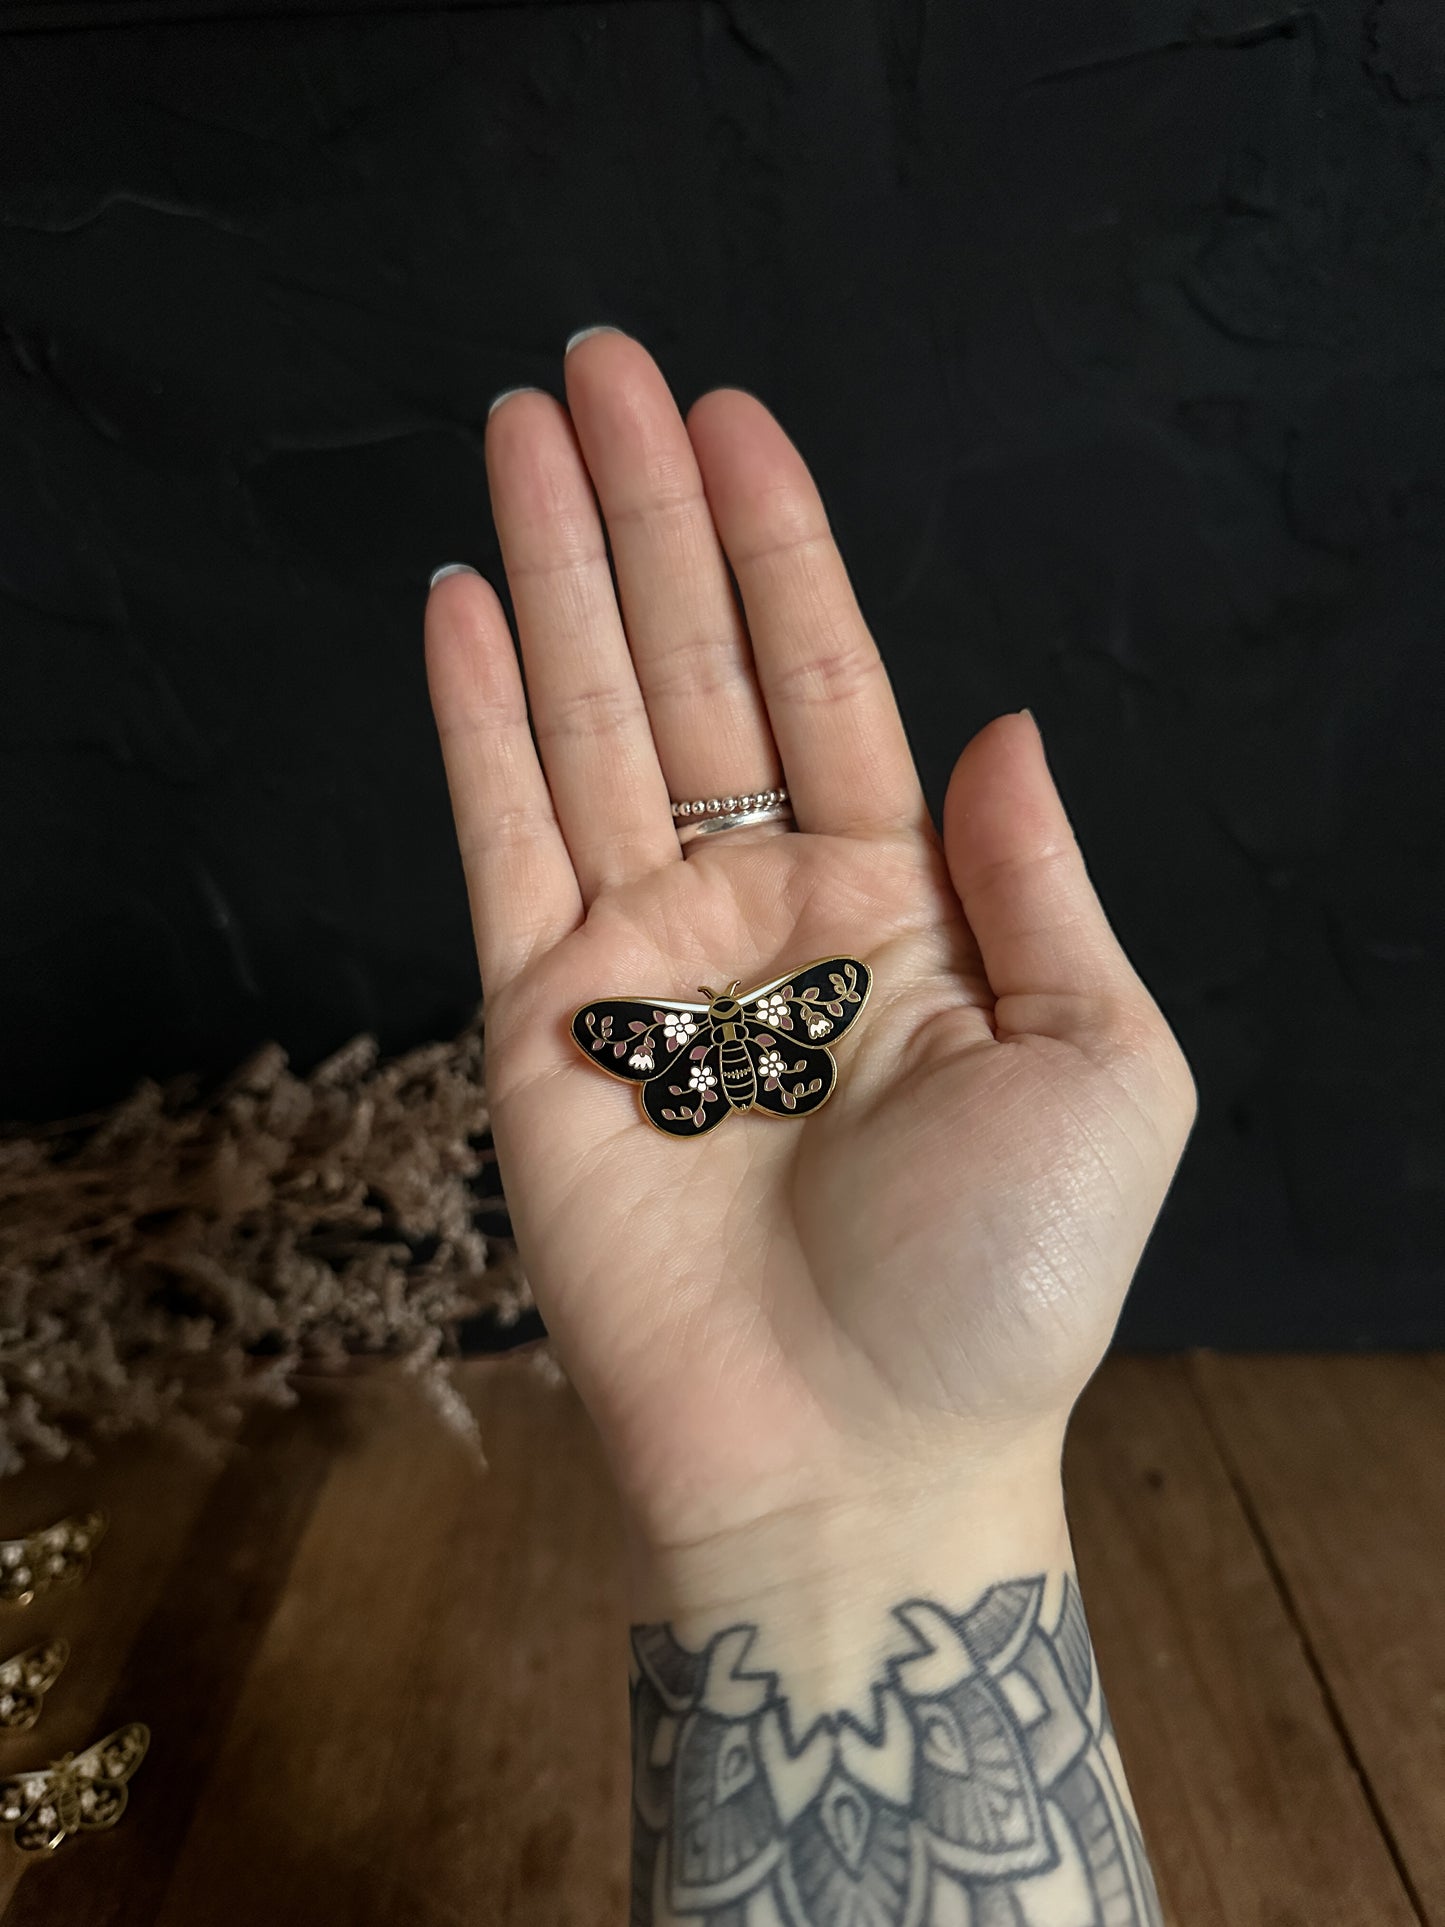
76 1794
758 1050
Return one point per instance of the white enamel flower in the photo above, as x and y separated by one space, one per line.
678 1027
700 1078
770 1063
773 1008
642 1060
819 1025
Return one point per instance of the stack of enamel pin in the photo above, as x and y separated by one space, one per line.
44 1806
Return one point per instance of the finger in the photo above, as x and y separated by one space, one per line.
587 710
520 882
846 759
688 639
1053 962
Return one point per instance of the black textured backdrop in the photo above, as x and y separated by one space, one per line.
1115 333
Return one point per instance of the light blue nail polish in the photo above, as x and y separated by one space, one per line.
507 393
450 568
602 328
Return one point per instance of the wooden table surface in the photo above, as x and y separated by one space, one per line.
385 1684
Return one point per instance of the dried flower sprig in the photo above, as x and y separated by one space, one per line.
177 1257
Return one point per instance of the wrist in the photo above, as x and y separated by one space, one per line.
820 1576
889 1704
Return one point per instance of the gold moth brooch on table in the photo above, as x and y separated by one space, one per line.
79 1793
757 1050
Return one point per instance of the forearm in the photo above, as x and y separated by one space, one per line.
881 1715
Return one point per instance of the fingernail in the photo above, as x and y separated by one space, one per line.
602 328
507 393
1031 716
450 568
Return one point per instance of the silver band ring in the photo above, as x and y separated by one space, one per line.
737 819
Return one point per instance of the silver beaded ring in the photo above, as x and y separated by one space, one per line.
714 815
729 805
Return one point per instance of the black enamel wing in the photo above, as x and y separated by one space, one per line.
758 1050
59 1555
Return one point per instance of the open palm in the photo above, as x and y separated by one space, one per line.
752 1313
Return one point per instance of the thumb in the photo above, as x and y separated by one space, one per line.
1055 967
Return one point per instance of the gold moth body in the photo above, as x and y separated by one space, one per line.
739 1079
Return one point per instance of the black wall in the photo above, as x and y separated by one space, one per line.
1115 334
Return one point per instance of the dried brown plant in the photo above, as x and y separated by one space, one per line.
179 1256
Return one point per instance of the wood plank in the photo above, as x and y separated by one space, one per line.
1249 1805
1343 1462
434 1729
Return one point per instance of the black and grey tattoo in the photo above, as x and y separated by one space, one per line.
986 1793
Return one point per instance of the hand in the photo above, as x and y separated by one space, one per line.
925 1273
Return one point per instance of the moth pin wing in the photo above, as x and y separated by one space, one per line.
41 1666
814 987
22 1712
649 1004
599 1028
51 1658
111 1799
65 1532
112 1761
835 988
91 1525
21 1794
57 1556
32 1835
819 1066
669 1091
